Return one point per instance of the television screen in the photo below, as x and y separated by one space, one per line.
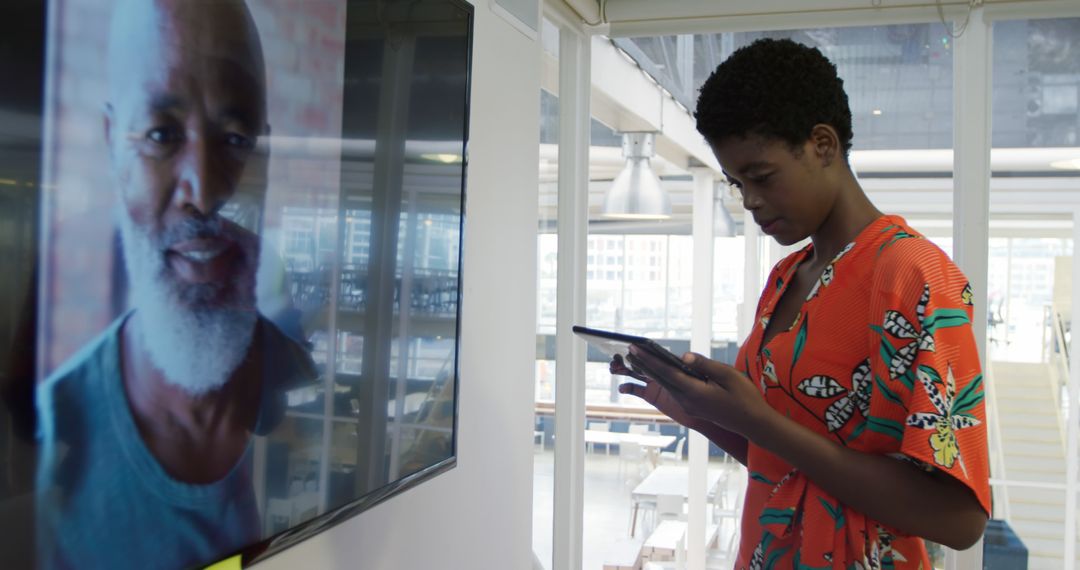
231 234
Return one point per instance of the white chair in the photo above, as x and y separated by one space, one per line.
674 456
727 504
633 455
599 426
670 508
639 428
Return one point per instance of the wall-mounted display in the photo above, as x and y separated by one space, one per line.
234 298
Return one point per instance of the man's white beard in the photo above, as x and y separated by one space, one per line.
197 335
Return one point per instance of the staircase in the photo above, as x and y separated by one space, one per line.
1033 450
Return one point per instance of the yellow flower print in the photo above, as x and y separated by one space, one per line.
952 412
943 442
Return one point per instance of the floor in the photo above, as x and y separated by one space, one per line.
607 505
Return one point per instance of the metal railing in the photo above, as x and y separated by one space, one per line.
1059 362
997 448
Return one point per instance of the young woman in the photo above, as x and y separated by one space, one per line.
856 402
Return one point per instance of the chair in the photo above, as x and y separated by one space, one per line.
670 508
633 454
639 428
727 504
674 456
599 426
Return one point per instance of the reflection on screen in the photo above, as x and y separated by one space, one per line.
233 307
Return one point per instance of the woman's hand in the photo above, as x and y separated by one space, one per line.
726 397
652 392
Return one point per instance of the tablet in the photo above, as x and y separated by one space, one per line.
613 343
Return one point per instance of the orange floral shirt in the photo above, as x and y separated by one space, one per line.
881 359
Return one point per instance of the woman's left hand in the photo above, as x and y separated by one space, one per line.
723 395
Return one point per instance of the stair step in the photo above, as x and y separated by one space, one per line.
1045 553
1037 476
1022 448
1036 496
1012 369
1007 392
1042 419
1024 433
1015 464
1042 407
1038 530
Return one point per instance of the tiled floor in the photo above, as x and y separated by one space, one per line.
607 506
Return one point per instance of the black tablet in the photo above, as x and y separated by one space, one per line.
613 343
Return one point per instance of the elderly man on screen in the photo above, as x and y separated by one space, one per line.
147 432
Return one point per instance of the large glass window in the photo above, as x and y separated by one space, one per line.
1034 186
547 251
899 84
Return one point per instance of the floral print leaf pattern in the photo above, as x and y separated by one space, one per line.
922 420
857 431
836 512
898 326
861 387
909 344
757 561
774 557
800 342
769 371
897 237
947 419
828 273
945 318
777 516
761 478
930 380
901 362
821 387
839 412
886 427
886 391
920 309
970 396
926 342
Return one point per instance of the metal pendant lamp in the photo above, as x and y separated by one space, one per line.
636 193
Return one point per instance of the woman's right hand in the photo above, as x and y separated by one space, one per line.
652 392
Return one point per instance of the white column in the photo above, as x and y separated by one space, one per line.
751 276
1072 433
971 188
573 211
700 342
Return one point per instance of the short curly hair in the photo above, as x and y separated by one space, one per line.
776 89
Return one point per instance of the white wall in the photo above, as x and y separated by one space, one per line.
479 514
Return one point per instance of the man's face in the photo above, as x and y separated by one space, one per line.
786 190
186 109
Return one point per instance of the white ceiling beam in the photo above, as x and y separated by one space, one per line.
649 18
627 99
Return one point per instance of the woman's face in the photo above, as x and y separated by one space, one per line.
789 192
